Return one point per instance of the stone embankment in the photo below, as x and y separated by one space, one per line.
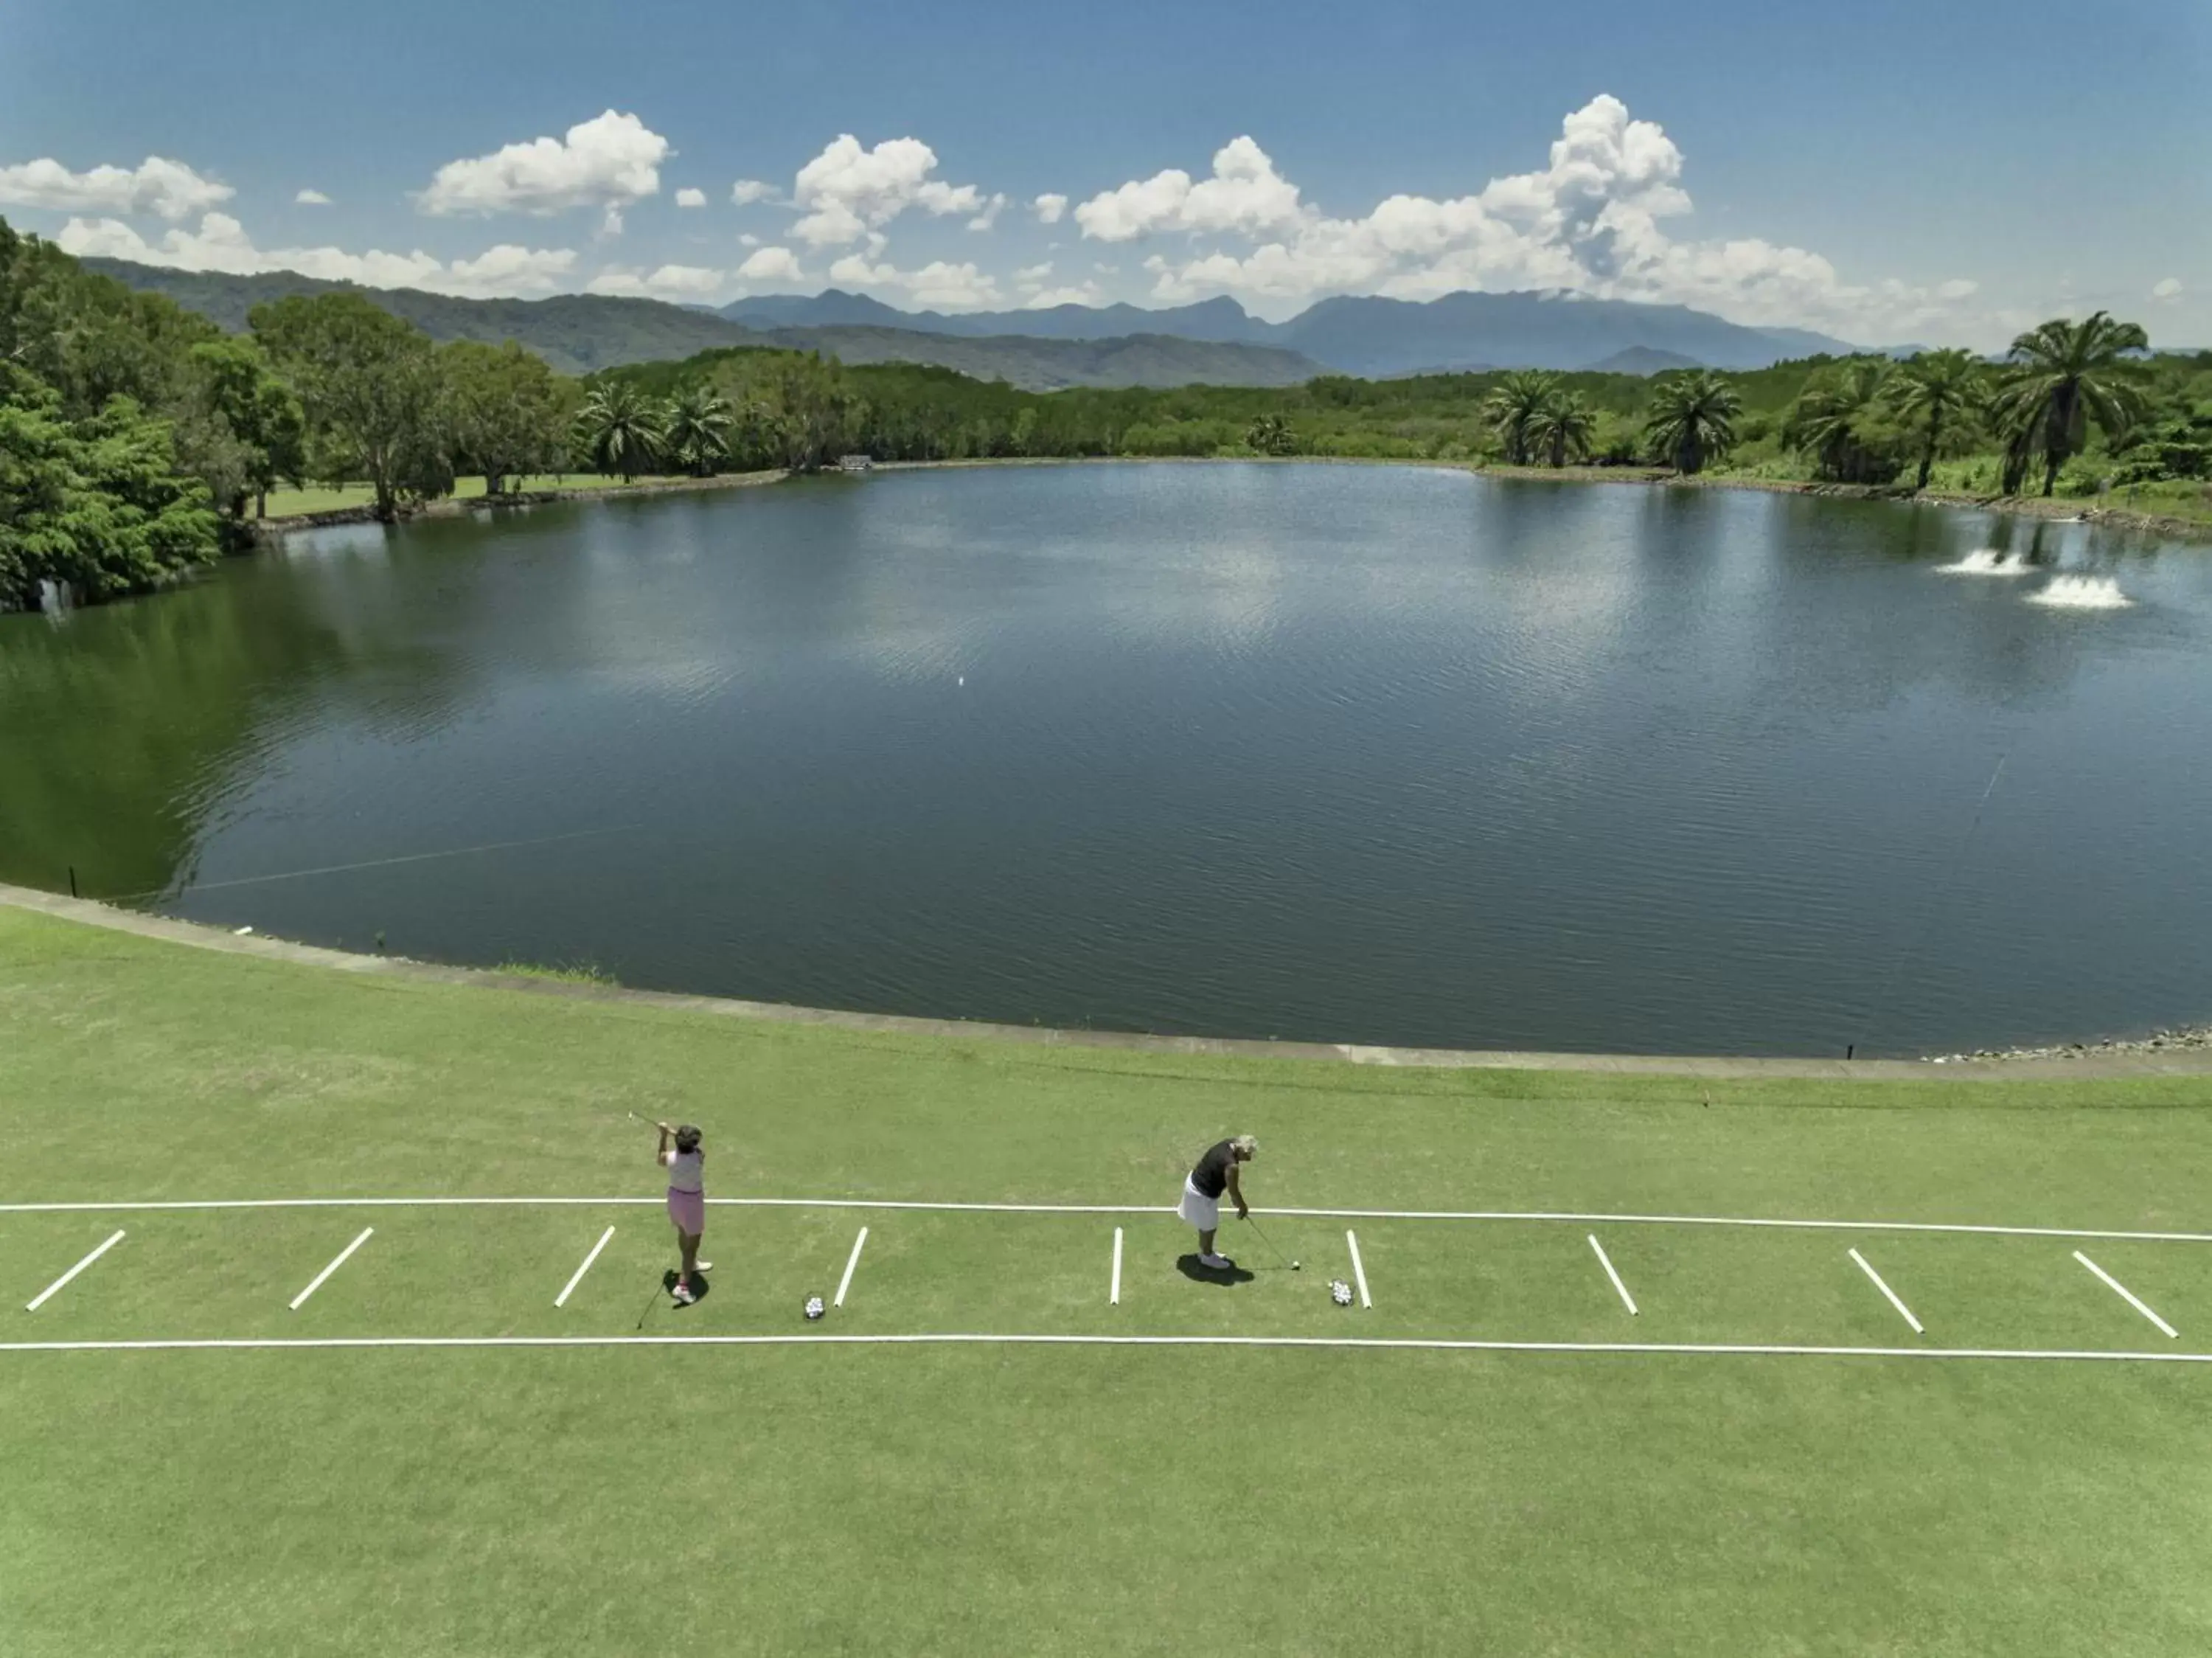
2188 1039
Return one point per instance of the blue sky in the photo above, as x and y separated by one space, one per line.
1941 171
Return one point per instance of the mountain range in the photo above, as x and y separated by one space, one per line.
1372 337
1215 342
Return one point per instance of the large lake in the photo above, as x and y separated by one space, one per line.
1370 754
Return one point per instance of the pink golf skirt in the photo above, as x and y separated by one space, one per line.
689 1210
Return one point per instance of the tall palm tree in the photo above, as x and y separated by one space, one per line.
621 429
1831 417
1513 405
1271 434
1562 428
1693 420
2065 374
1938 391
697 437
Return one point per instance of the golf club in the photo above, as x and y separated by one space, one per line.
1294 1265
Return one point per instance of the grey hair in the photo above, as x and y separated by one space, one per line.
1245 1146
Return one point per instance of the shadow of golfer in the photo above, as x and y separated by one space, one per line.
702 1286
1189 1267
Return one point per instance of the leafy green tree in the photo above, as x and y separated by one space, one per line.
2065 376
620 429
261 413
97 506
507 413
1939 392
371 391
1693 418
1270 434
698 437
1562 428
1842 419
1513 406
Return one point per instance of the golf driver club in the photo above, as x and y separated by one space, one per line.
1295 1266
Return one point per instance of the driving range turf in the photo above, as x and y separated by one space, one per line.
829 1496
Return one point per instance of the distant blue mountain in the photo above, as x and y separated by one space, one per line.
1369 337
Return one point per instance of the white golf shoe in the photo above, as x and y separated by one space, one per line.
1216 1263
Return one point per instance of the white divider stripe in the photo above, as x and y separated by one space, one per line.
561 1300
1567 1216
1113 1293
851 1261
364 1234
1639 1349
1604 1261
2128 1295
1358 1271
1902 1309
46 1295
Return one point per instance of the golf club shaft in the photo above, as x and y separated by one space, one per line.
1266 1240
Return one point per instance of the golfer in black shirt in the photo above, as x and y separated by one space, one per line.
1202 1187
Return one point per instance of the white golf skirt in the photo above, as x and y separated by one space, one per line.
1201 1210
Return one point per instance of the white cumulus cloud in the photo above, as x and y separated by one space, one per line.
220 244
847 191
2167 291
312 198
690 199
608 161
1594 221
772 264
1050 208
989 216
1245 196
939 285
166 189
746 191
670 282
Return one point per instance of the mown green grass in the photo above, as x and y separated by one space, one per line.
901 1499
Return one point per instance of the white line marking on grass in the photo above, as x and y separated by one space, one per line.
561 1300
851 1261
1568 1216
1113 1293
1902 1309
364 1234
2128 1295
1358 1271
1409 1344
45 1295
1603 1260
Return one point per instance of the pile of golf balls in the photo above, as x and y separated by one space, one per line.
814 1308
1340 1293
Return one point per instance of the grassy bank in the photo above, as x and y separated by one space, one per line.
1085 1498
298 503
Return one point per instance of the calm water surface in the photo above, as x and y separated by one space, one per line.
1343 753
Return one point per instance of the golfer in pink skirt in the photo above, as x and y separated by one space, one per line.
680 1155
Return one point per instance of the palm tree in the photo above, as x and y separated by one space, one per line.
1561 428
697 437
2064 375
1514 404
1271 434
1692 421
1938 390
1831 419
621 429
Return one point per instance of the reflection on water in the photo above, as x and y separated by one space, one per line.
1370 754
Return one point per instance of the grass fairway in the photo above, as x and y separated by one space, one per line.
824 1496
290 503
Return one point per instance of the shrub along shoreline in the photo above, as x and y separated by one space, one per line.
2055 509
